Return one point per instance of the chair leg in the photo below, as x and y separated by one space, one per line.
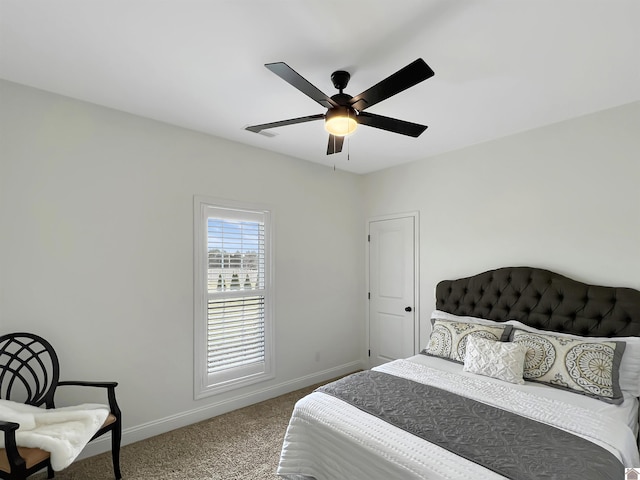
50 473
116 438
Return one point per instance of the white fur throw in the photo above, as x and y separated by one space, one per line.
63 432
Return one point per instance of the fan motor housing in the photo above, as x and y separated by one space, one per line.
341 99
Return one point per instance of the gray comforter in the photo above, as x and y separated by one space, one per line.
513 446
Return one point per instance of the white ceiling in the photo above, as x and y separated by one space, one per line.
501 66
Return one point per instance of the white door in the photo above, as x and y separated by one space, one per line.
392 312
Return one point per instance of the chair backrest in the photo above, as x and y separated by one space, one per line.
29 369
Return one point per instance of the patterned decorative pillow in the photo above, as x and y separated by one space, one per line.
588 368
629 366
501 360
449 338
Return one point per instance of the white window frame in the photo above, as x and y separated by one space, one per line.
205 383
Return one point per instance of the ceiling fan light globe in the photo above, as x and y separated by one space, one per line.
340 122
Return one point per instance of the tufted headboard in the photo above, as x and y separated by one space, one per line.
544 300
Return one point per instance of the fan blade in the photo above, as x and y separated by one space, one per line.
292 77
391 124
335 144
282 123
404 78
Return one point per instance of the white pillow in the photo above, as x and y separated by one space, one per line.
440 315
501 360
629 370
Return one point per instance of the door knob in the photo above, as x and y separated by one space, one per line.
407 309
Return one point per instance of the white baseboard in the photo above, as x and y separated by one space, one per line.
182 419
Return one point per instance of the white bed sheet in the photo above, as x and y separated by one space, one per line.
627 412
330 439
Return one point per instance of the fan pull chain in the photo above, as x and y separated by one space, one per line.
334 149
349 137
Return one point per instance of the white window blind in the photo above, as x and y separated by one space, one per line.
235 332
236 294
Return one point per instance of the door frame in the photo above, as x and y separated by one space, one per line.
416 279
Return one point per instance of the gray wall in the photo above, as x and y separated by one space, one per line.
97 247
565 197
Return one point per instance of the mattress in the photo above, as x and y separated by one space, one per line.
330 439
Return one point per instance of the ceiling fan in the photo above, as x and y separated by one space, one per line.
344 112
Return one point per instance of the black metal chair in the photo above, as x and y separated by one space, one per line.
29 373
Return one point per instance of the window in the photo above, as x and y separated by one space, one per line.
232 311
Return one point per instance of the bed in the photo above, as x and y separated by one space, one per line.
528 374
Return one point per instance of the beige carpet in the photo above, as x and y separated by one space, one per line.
243 444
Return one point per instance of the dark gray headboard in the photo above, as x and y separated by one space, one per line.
544 300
